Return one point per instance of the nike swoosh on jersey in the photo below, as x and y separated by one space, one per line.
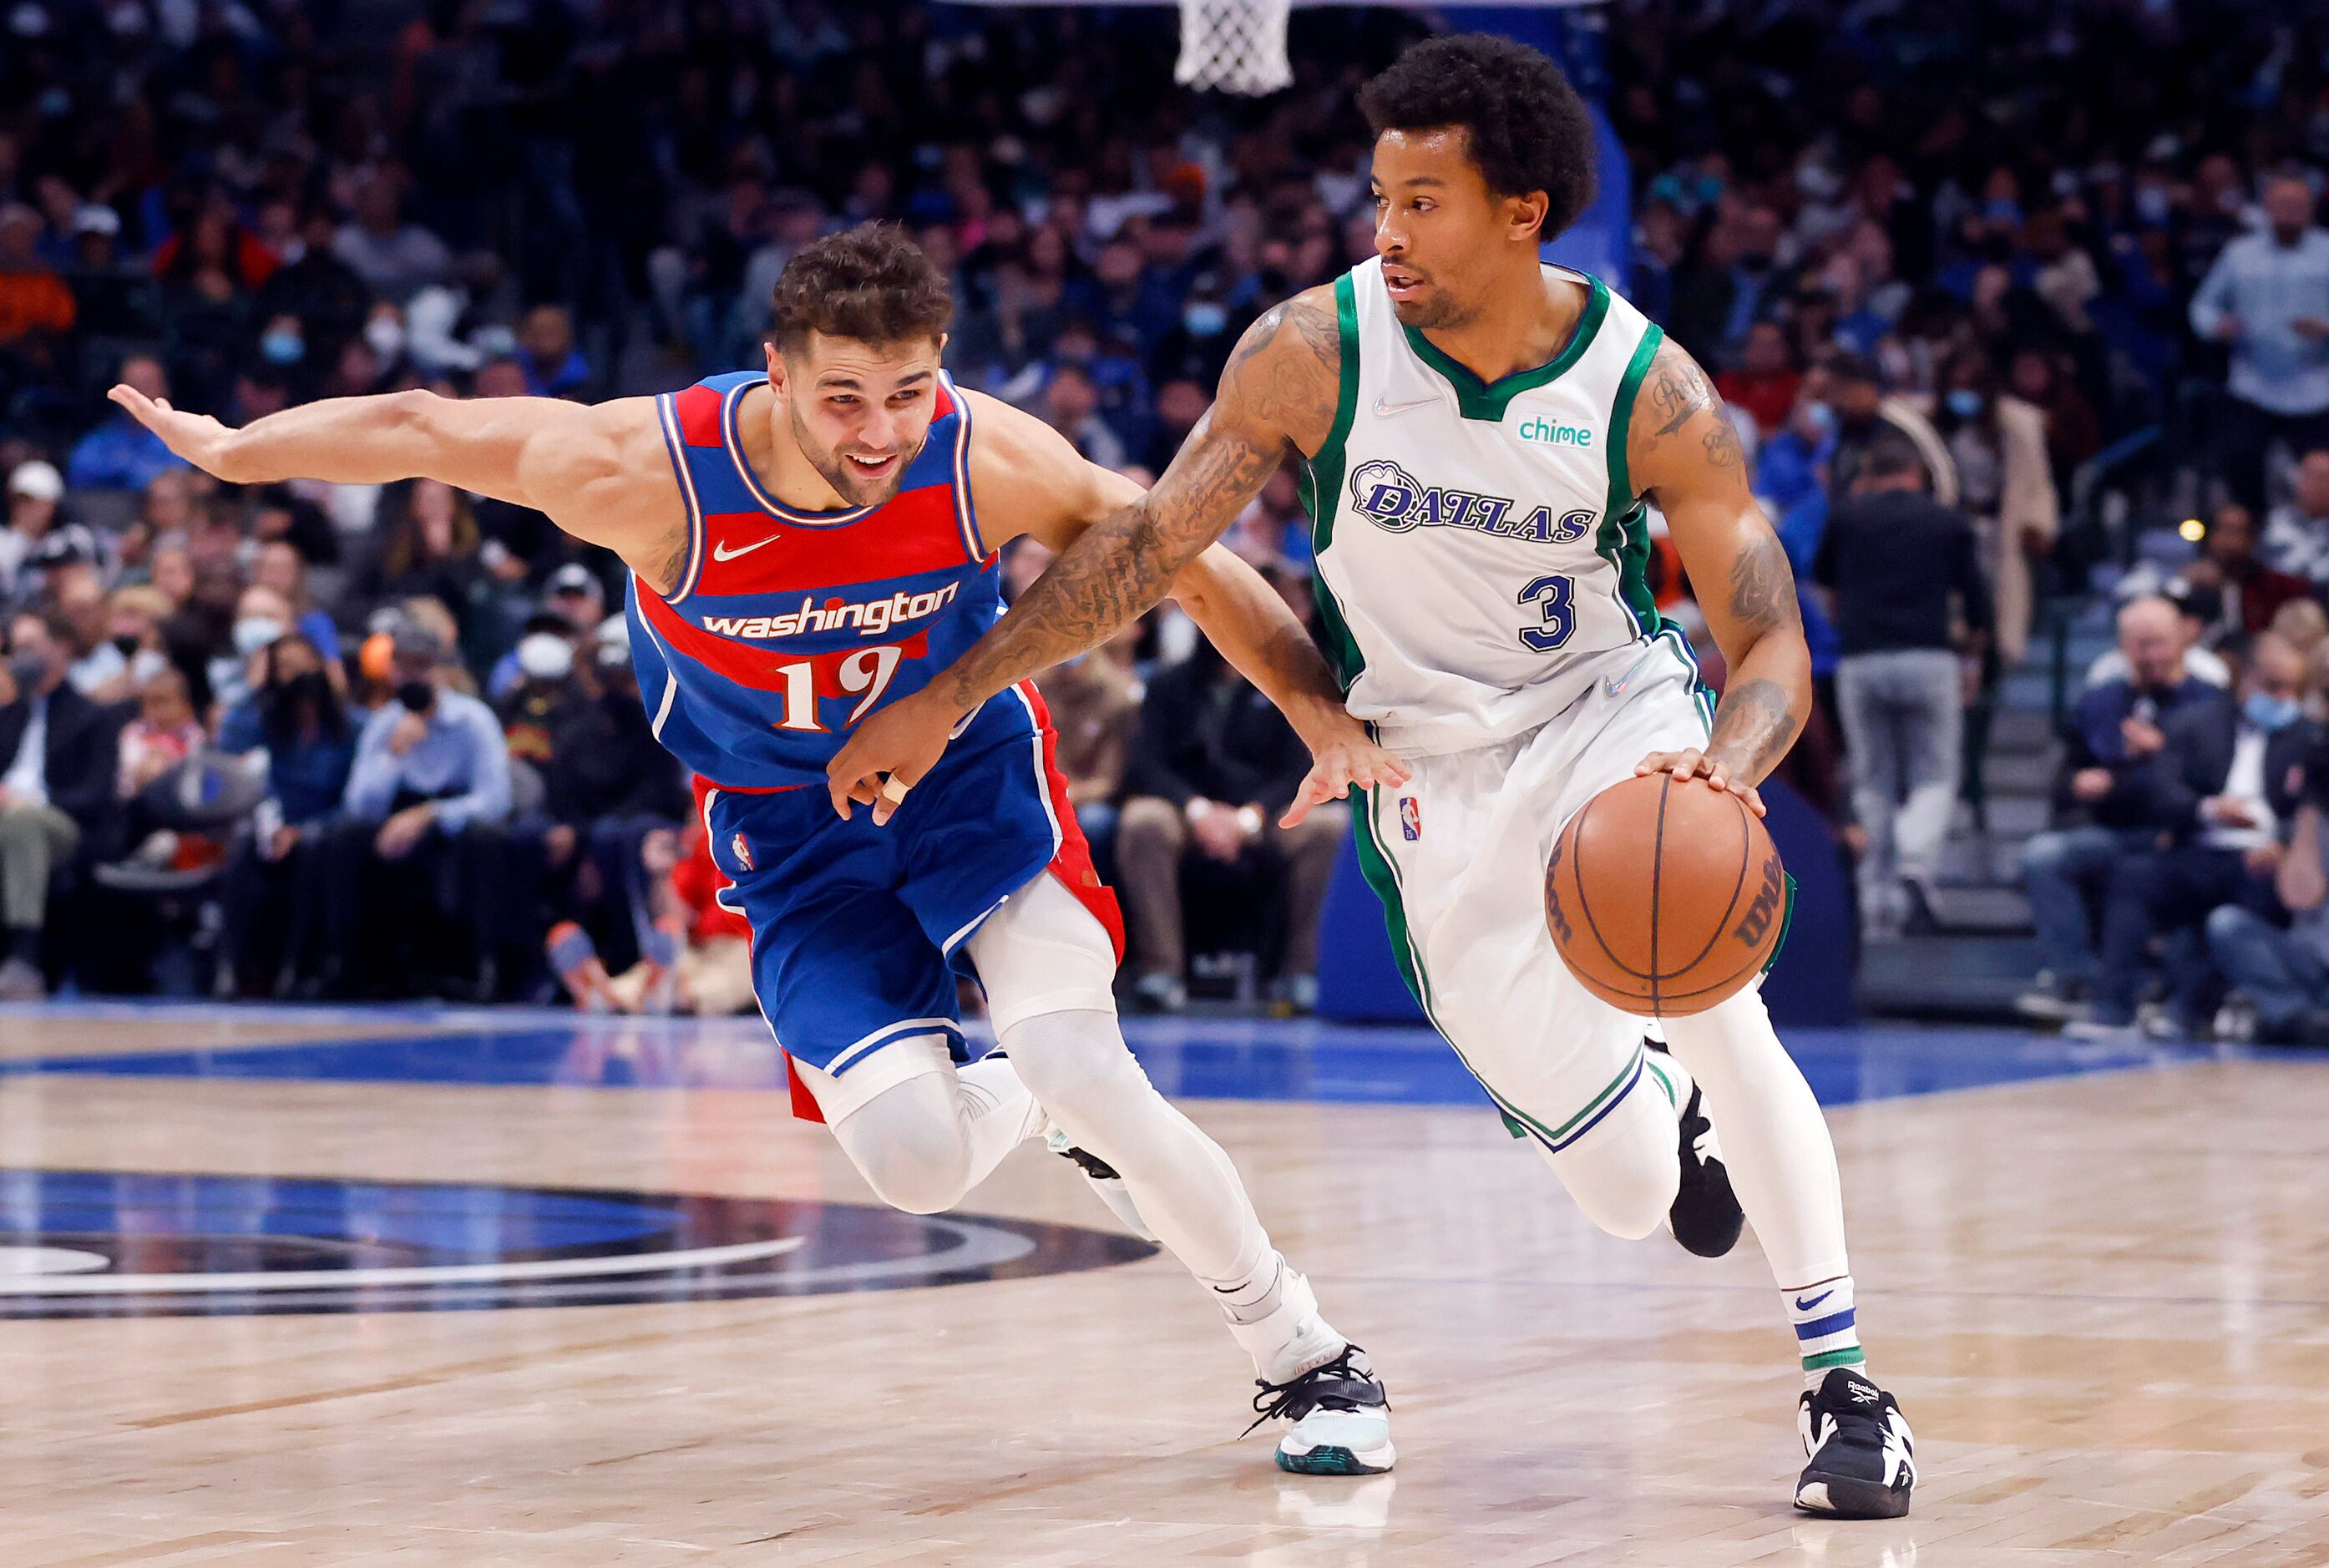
1384 406
720 552
1804 1306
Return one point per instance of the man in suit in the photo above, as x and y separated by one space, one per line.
1212 766
58 752
2216 796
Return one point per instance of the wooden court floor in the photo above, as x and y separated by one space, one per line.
2104 1302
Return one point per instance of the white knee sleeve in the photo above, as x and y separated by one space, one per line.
1042 952
906 1142
1625 1173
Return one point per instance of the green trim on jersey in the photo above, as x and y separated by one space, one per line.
1624 540
1321 489
1381 873
1479 399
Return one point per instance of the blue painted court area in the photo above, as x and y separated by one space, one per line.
1197 1058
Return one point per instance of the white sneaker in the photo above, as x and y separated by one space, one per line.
1341 1416
1105 1183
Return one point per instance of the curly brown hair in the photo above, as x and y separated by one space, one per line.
870 283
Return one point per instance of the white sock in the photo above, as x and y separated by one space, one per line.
1827 1332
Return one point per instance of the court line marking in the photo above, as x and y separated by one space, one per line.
419 1274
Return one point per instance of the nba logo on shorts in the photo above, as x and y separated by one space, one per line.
741 850
1410 819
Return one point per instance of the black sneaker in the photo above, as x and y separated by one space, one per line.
1705 1218
1864 1457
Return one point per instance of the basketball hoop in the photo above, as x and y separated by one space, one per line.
1236 46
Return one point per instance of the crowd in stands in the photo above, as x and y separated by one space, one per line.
1934 270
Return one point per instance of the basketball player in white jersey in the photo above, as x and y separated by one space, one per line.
1480 437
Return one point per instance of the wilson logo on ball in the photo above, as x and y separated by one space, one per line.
1769 899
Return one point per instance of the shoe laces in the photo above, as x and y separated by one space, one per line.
1335 1384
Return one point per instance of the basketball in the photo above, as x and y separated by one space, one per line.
1665 897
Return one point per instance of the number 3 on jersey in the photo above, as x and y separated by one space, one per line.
1559 610
866 671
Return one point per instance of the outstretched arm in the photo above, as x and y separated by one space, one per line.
598 471
1685 455
1276 393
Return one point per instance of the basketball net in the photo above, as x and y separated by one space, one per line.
1234 46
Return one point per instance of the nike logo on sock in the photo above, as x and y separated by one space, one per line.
1804 1306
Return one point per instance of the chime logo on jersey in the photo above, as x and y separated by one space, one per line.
1410 819
741 850
1393 499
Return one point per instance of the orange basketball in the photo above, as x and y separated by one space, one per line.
1666 897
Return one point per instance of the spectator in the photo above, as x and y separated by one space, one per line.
2267 296
121 453
2248 593
2200 662
133 652
1072 406
2282 976
281 571
395 259
431 551
553 366
1865 416
2213 795
34 488
1997 443
424 850
274 916
57 800
607 784
2102 800
1894 558
35 305
1095 704
164 734
2297 532
1212 766
1765 383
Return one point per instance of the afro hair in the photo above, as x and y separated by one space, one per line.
1524 126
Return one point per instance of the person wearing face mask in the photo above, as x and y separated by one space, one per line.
607 784
2280 976
260 616
2214 798
297 721
417 871
2267 299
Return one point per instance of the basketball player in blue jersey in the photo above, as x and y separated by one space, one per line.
807 543
1481 436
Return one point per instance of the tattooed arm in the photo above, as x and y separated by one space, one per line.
1276 394
1684 454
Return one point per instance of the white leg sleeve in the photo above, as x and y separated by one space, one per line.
925 1141
1625 1173
1046 964
1774 1141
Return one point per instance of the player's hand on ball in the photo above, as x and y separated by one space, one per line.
1696 764
1337 766
888 756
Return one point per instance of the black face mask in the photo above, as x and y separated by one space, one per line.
125 646
417 695
309 686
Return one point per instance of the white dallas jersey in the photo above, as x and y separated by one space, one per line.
1480 545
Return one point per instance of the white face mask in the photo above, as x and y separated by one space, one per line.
253 633
385 336
546 656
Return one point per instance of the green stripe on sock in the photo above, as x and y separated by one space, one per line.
1849 1355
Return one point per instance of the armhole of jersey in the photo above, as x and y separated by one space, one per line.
637 611
692 567
965 514
1621 418
1321 479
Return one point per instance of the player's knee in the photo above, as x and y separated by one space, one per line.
919 1181
1626 1172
